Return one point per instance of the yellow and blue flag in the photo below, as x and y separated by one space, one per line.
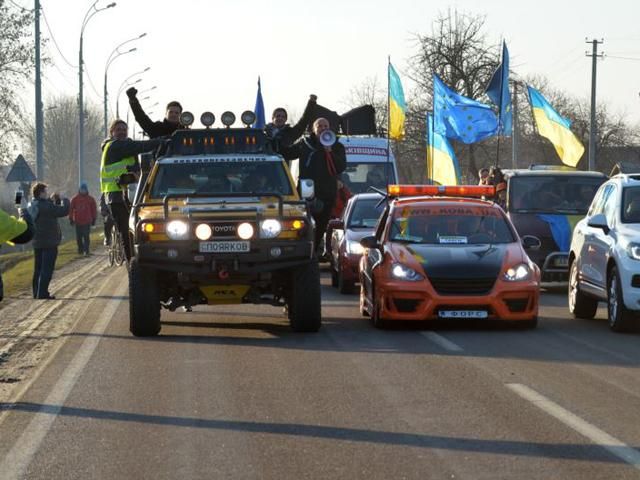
259 109
498 92
459 117
397 106
442 164
556 128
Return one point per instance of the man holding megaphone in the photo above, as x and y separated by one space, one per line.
322 159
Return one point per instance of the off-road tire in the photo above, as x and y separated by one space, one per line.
620 318
580 305
305 302
144 301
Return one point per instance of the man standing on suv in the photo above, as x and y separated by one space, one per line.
119 161
167 126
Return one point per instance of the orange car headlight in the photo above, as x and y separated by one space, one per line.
402 272
517 273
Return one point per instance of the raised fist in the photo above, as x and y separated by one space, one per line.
131 92
313 98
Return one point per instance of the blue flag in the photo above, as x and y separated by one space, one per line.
498 92
259 109
459 117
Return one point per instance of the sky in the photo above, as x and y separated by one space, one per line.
208 54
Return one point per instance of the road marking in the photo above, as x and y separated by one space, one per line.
593 433
443 342
19 457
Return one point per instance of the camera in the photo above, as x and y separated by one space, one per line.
18 198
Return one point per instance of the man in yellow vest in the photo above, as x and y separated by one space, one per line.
119 157
14 230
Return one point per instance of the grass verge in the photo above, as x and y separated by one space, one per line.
19 275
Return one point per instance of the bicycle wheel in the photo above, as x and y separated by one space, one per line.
118 247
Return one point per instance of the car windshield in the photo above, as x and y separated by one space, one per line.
360 176
221 177
451 225
631 205
365 213
552 193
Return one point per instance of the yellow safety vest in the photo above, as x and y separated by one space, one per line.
109 174
10 227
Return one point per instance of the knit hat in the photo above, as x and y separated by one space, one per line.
83 186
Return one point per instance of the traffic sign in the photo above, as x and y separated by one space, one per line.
20 172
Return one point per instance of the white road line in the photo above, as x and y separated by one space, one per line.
23 451
442 342
593 433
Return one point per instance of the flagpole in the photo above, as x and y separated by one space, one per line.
388 118
431 147
500 127
514 132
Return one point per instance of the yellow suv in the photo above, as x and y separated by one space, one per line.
218 220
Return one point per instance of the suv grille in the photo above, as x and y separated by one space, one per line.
464 286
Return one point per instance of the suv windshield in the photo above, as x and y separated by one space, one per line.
221 177
631 205
360 176
552 194
365 213
446 225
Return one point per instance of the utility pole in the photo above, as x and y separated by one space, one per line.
592 128
38 85
514 133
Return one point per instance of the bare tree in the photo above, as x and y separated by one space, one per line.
370 92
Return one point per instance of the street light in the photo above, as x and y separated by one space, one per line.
125 83
87 16
112 56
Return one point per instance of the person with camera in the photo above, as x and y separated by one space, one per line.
118 168
281 133
322 159
46 211
83 215
15 230
166 126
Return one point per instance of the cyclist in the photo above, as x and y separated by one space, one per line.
118 167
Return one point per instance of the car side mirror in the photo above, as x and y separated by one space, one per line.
529 242
599 221
369 241
336 224
307 188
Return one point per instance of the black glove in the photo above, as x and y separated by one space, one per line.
131 92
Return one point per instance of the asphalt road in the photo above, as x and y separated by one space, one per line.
231 392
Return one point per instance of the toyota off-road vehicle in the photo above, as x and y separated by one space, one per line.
217 219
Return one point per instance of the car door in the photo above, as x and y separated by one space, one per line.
373 256
603 242
595 246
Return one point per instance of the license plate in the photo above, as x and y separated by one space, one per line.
463 314
561 262
225 247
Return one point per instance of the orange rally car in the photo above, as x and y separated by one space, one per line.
437 253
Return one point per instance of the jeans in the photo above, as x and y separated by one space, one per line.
322 220
82 237
44 264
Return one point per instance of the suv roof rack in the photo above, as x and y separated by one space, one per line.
625 167
566 168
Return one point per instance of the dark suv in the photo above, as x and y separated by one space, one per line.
546 202
218 220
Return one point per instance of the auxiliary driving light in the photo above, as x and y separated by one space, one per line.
248 118
203 231
186 118
270 228
228 119
207 119
275 251
245 231
177 230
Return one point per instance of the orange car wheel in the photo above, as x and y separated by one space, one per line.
377 321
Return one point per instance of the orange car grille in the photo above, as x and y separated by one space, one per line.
462 286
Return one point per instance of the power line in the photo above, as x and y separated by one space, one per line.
20 6
637 59
54 40
86 72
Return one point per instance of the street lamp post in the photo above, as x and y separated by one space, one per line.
115 54
125 83
88 16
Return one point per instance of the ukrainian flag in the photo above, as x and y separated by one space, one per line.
397 106
556 128
442 164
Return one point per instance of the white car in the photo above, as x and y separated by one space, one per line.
604 259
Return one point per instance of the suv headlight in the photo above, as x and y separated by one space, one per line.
354 248
177 230
517 273
270 228
633 250
402 272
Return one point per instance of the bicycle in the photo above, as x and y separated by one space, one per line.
115 249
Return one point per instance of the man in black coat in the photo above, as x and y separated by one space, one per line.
322 164
281 133
167 126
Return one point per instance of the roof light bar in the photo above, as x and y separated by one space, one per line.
441 190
